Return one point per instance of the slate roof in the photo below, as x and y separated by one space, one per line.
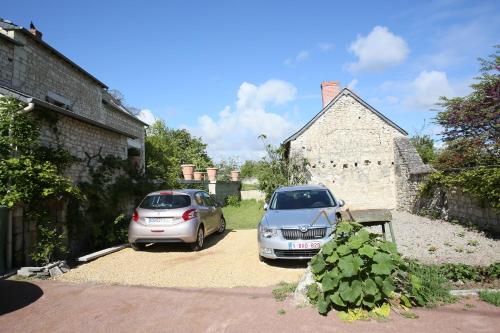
345 91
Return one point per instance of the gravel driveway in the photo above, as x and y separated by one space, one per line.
232 261
228 261
436 241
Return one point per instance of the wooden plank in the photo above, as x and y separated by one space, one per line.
101 253
367 215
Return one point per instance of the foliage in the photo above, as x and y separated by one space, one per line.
251 169
167 149
50 244
471 123
225 167
281 170
283 290
481 183
467 273
245 216
233 200
433 286
31 176
113 185
492 297
425 147
358 270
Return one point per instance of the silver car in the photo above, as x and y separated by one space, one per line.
297 222
183 216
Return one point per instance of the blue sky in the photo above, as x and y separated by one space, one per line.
231 70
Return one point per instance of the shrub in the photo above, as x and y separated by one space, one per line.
233 200
357 271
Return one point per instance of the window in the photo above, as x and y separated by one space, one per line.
165 201
207 199
58 100
302 199
198 198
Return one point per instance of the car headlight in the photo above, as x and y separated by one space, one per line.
268 232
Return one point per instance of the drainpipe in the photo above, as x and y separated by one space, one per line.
9 252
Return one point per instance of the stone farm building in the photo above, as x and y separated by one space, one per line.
361 155
90 120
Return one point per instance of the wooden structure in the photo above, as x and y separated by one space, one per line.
371 217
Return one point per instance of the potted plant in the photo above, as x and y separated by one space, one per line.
212 174
198 175
187 171
235 175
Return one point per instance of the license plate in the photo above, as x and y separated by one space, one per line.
304 246
160 220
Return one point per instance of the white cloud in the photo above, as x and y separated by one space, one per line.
300 57
426 89
326 46
146 116
379 50
235 132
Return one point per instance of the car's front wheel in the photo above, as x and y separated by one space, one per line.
200 239
138 246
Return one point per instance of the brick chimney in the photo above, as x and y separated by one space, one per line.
35 31
329 90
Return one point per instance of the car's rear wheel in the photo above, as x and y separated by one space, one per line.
222 225
200 239
138 246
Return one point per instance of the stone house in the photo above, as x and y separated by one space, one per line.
361 155
90 121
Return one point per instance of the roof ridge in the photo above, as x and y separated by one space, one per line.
342 92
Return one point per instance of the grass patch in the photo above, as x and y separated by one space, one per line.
435 288
249 187
245 216
283 290
492 297
281 312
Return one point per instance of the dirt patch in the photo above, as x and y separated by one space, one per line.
230 260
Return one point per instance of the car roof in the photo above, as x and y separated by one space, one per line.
301 188
189 191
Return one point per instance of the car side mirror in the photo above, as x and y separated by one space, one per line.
266 206
341 203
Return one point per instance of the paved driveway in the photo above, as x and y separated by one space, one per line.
230 260
49 306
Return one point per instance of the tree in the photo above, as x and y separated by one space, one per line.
225 167
251 169
471 124
425 147
167 149
280 170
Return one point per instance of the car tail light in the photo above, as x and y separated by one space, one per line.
189 214
135 217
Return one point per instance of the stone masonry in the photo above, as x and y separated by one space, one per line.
351 149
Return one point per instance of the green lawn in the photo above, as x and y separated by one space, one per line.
248 187
246 216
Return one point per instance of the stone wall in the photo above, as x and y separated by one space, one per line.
79 138
410 173
6 62
351 151
37 71
454 204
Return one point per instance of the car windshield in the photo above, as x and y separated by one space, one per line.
165 201
302 199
